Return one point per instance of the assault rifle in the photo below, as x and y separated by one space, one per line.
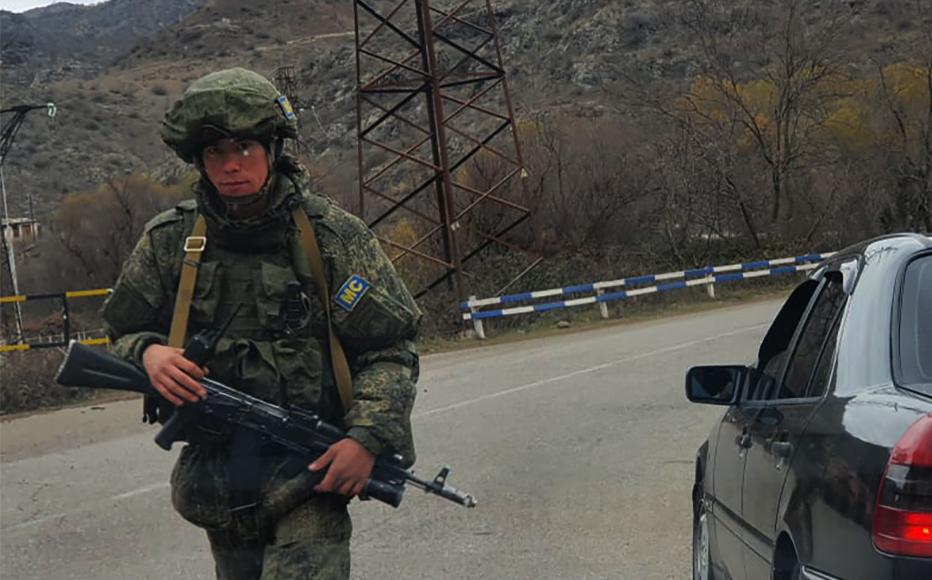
298 430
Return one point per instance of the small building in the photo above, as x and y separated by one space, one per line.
20 229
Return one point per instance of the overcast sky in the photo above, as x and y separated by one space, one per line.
23 5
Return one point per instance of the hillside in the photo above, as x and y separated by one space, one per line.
73 41
114 68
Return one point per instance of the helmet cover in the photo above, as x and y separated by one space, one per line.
228 103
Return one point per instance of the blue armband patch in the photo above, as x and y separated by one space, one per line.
351 292
285 105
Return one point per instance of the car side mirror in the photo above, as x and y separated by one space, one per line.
715 385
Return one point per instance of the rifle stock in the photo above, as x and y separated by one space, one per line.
92 368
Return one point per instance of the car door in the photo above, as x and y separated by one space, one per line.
733 441
777 418
726 509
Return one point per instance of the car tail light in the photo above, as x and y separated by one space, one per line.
903 514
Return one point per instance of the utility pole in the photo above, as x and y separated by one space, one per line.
7 136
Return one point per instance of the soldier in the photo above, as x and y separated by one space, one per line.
267 514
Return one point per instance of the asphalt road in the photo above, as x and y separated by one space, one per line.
579 447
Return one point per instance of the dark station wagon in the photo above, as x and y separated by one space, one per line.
821 468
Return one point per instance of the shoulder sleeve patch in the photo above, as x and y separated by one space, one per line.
351 292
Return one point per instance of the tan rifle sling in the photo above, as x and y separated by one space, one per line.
341 370
193 249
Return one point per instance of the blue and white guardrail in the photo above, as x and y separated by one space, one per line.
605 292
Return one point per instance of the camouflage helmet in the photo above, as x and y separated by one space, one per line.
229 103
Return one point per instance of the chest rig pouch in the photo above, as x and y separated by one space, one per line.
296 313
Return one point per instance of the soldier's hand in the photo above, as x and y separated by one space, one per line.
172 375
350 465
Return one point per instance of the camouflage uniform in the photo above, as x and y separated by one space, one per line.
292 532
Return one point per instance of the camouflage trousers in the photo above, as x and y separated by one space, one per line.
309 543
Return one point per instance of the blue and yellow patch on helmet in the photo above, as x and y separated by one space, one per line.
351 292
285 105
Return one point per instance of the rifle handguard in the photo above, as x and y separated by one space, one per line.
384 492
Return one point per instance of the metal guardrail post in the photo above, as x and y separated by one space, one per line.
603 306
710 290
476 322
66 319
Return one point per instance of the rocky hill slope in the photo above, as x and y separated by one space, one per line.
114 68
69 40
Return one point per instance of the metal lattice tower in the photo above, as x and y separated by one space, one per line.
441 175
286 82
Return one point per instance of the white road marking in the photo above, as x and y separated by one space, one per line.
118 497
585 371
142 490
31 523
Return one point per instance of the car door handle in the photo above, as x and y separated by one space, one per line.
743 441
781 449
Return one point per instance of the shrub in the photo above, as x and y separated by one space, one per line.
29 382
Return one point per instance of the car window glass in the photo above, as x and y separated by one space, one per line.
809 346
820 378
767 377
774 348
915 332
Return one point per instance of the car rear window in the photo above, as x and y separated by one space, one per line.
915 339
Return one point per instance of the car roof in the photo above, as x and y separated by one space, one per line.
864 350
898 248
908 242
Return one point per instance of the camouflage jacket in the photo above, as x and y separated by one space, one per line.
252 263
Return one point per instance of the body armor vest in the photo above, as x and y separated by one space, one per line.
257 355
238 286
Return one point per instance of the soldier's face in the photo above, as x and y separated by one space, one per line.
236 167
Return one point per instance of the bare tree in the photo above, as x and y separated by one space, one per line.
800 58
908 104
583 178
